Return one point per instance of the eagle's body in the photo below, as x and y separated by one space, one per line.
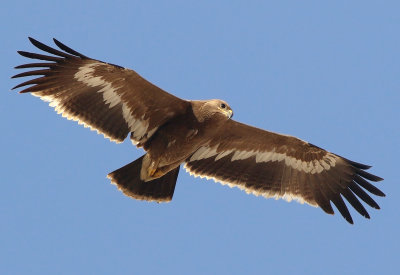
166 150
200 134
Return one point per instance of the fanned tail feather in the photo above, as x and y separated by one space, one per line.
127 179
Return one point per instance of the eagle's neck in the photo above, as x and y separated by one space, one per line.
203 110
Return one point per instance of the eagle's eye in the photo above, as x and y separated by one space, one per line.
223 106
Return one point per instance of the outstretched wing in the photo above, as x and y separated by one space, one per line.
280 166
113 100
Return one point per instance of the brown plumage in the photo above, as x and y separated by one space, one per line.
116 101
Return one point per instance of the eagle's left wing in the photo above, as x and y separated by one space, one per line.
280 166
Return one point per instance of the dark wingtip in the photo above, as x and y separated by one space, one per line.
24 91
23 53
32 40
68 49
15 87
20 92
368 176
36 43
359 165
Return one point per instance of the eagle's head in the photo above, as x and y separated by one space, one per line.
207 109
219 106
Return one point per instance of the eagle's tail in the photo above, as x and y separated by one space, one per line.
127 179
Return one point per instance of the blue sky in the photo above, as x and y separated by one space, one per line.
325 72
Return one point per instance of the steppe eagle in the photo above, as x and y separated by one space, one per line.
199 134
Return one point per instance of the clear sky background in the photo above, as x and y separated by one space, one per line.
325 71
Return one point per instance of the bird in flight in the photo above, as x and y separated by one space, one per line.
199 134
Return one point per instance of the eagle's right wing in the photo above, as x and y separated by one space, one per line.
110 99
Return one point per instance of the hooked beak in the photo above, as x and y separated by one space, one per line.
229 113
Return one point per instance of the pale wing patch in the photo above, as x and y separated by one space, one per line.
109 96
138 126
312 167
85 74
267 194
239 155
223 154
203 153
